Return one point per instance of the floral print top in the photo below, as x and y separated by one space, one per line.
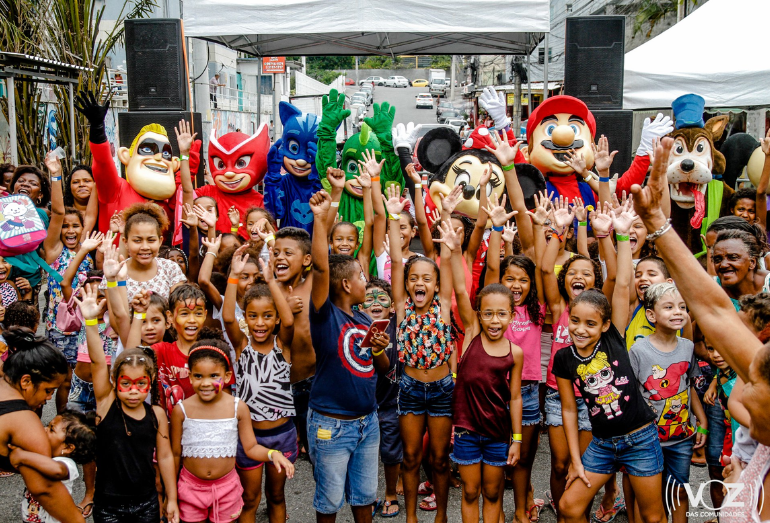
424 341
61 265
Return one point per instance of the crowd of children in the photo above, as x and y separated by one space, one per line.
187 378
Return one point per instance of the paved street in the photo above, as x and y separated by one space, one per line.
403 99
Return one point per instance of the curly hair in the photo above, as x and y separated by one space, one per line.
531 302
147 212
45 183
598 276
745 193
80 432
757 309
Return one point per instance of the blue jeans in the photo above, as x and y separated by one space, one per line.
82 397
391 448
676 461
344 455
553 411
530 404
418 397
639 452
471 448
67 344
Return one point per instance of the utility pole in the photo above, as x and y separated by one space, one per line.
452 78
545 67
516 96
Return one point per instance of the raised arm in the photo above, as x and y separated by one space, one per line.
394 207
92 212
423 229
581 215
190 219
380 224
364 179
90 242
285 314
452 242
477 235
602 162
52 243
117 299
499 217
320 204
237 338
336 178
139 305
562 218
185 139
708 303
204 276
764 180
89 307
622 221
601 222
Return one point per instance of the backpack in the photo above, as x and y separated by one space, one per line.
21 228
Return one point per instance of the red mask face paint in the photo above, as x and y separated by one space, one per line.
141 384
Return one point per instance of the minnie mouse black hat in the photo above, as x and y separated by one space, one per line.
531 181
437 146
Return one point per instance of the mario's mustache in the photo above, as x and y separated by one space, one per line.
548 144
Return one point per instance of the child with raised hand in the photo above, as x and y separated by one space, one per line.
664 364
578 274
72 436
520 275
130 433
205 432
262 378
422 296
487 404
624 432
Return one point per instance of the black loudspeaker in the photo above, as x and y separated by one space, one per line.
131 123
593 60
617 126
157 78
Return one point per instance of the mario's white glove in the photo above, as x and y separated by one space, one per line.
405 135
657 128
494 104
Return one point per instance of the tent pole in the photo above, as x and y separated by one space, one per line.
12 119
71 90
545 68
259 93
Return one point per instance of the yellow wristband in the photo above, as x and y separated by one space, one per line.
270 238
233 229
270 454
454 375
394 217
111 284
92 321
378 353
516 438
140 315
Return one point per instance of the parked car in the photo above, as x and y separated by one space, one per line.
378 80
350 81
423 101
447 114
420 82
396 81
368 90
361 98
456 123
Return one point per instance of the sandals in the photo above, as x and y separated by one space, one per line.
425 489
533 512
386 506
86 509
551 504
376 506
600 514
429 503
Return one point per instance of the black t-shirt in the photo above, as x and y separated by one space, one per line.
606 379
387 383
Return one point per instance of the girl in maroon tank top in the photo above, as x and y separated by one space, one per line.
487 402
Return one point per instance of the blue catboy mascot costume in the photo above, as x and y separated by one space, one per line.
287 195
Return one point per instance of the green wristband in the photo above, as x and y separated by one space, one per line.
622 237
509 167
701 430
582 224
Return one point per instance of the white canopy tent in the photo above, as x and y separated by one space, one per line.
716 52
369 27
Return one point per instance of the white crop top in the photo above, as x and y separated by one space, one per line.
210 438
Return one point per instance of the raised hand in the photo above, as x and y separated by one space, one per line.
434 216
496 212
91 241
580 210
486 175
449 236
189 217
141 301
295 302
363 179
404 136
601 220
117 223
411 171
563 215
542 204
623 220
652 130
382 118
336 178
320 203
647 200
207 217
212 245
333 107
503 151
87 105
266 268
765 143
602 155
577 161
393 202
450 202
240 259
112 264
53 164
89 306
370 164
234 215
509 232
263 229
494 104
184 137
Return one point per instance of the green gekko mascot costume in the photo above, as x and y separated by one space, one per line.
375 135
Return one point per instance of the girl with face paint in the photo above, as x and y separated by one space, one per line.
205 433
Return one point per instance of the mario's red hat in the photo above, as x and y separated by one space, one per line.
560 104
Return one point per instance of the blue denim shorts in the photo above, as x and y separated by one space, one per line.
471 448
68 344
81 398
715 441
530 404
282 438
418 397
639 452
553 411
391 448
676 461
344 455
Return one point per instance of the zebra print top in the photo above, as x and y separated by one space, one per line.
263 384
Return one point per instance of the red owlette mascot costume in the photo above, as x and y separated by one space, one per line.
238 162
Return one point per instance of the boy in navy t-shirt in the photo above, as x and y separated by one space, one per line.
343 429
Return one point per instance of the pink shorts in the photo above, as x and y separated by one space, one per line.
219 500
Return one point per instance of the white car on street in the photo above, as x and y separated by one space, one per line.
423 101
396 81
376 80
